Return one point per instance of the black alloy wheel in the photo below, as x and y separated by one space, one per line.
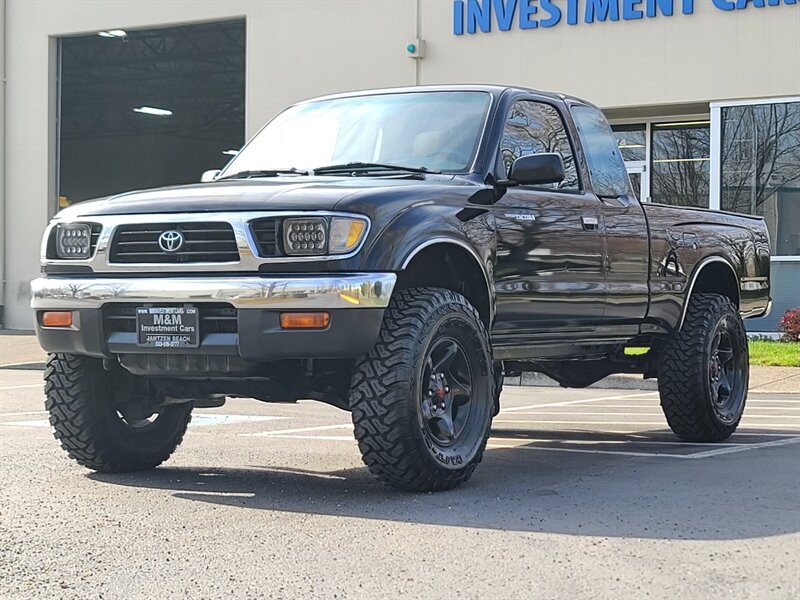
726 373
445 407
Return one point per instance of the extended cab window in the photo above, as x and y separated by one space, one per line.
606 167
534 128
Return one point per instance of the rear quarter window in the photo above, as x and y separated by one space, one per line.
606 167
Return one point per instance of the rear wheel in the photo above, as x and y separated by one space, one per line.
704 372
422 400
105 421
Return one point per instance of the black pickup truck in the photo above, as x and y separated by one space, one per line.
394 253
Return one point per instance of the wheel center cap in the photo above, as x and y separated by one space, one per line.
438 391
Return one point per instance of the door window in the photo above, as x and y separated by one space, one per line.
606 167
536 128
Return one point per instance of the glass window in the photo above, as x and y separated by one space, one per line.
760 168
435 130
609 176
535 128
681 160
632 141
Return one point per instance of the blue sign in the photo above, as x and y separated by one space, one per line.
473 16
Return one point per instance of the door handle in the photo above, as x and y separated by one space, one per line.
590 223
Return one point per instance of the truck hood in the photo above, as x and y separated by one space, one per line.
280 193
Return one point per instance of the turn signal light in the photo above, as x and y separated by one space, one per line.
57 319
316 320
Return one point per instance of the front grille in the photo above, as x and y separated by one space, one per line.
217 317
267 235
96 229
203 242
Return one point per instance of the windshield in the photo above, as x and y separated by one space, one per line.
437 131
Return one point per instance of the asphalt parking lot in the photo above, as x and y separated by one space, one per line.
582 493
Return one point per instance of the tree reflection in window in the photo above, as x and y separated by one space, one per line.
681 161
606 167
535 128
761 168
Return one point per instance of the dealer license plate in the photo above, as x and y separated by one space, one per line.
167 327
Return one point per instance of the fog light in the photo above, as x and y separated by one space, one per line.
315 320
57 319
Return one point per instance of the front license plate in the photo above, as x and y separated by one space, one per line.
167 327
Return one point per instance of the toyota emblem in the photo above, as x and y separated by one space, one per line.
171 241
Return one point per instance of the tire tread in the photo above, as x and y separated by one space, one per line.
682 373
381 384
69 391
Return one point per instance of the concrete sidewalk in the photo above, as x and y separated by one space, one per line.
17 347
762 379
20 347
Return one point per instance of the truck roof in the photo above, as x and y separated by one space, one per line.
495 90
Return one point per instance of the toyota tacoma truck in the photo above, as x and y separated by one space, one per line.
394 253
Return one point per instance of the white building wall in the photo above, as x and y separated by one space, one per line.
298 49
708 55
294 50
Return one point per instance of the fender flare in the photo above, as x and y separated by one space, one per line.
696 274
461 244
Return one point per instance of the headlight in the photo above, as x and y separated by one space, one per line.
316 236
307 236
73 240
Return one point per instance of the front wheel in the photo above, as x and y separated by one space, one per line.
704 372
423 398
106 420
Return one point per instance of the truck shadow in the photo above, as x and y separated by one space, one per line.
527 488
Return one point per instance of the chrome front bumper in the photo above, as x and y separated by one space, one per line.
367 290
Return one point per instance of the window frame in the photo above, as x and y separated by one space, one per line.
499 171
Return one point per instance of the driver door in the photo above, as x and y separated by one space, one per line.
550 239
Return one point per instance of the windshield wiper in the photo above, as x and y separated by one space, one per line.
263 173
370 166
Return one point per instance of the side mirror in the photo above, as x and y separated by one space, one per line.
537 169
209 175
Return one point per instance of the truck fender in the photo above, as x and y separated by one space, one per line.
696 274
